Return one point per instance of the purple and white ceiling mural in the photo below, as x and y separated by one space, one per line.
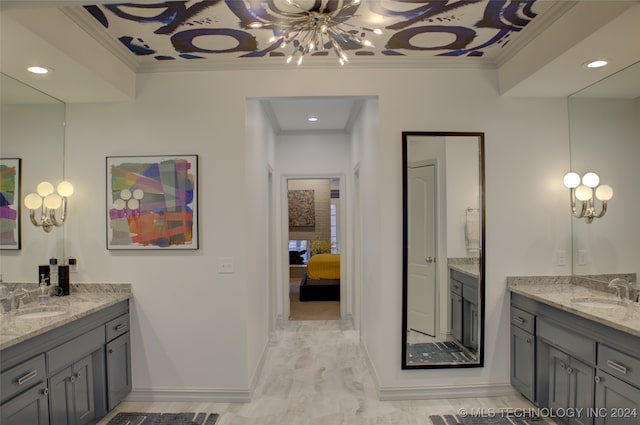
204 29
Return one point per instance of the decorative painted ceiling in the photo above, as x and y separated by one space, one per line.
217 31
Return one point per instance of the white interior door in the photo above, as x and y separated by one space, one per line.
421 250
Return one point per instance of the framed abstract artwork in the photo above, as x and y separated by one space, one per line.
10 203
302 210
152 202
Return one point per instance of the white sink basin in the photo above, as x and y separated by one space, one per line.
39 312
595 302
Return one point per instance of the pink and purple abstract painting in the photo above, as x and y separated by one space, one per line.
152 202
10 203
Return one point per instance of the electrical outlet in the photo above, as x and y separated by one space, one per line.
583 257
561 257
225 265
73 264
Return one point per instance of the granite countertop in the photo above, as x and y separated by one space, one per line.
472 270
562 293
83 300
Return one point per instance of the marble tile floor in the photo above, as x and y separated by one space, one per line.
315 374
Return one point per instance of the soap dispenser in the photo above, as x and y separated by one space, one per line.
43 296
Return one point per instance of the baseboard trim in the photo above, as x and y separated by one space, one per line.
432 393
217 395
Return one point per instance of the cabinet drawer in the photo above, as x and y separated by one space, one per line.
456 287
117 327
75 349
22 376
619 364
571 342
523 320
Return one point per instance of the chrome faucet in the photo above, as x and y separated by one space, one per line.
19 297
618 284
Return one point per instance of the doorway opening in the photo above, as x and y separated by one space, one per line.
314 248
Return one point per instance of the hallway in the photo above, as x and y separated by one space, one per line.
315 374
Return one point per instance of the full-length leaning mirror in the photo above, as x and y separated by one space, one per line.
443 250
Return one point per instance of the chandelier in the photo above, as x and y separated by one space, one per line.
310 31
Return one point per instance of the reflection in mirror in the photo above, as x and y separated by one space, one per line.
605 138
443 258
32 129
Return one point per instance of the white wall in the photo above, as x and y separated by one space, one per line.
462 192
192 326
260 159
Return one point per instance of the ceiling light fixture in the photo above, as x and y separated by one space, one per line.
596 64
40 70
312 119
310 31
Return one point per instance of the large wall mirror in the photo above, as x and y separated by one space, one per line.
443 252
32 129
605 138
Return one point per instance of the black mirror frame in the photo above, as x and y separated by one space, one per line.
482 256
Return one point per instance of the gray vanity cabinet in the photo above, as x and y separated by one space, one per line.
570 362
617 387
570 385
118 360
71 394
463 298
455 309
61 376
30 407
523 353
618 401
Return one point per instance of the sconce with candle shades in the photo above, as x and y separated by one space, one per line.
48 201
586 190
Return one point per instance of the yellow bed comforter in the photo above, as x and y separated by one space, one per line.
324 266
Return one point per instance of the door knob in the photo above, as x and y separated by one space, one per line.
429 259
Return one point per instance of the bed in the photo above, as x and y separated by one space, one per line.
321 281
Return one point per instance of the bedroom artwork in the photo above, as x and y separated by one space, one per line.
302 210
152 202
10 202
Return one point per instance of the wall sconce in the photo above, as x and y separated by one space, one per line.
586 193
48 202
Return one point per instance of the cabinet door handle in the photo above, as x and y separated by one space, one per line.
120 326
72 379
28 377
528 340
519 319
563 366
597 379
110 350
617 367
45 391
569 370
77 375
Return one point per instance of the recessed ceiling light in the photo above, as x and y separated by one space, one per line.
312 119
597 63
38 70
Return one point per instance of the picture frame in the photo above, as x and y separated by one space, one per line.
11 203
152 202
